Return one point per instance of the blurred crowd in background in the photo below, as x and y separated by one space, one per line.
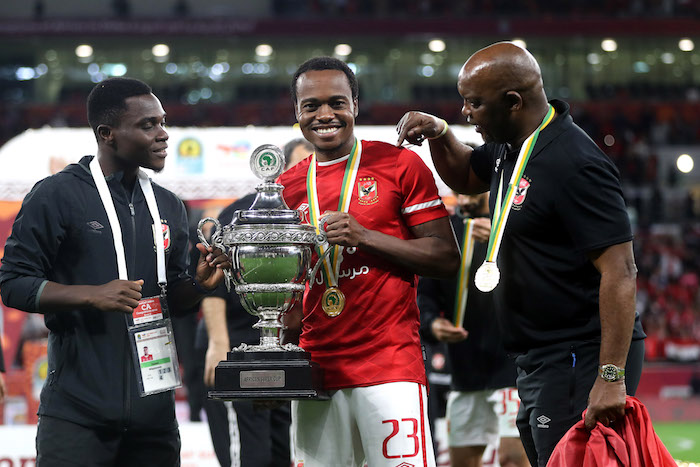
631 121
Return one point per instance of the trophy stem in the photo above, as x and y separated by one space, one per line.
270 327
270 337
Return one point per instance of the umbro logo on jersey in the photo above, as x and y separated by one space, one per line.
94 225
405 464
543 421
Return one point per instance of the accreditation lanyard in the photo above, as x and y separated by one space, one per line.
331 262
108 204
462 292
151 335
503 209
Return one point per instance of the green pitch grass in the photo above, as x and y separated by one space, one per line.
682 439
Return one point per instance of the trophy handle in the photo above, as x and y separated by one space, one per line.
317 267
215 235
320 240
216 241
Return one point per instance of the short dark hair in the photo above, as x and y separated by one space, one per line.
325 63
106 101
292 145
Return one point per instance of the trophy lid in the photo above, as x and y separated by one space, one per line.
269 207
267 162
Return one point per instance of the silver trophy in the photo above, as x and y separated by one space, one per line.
270 252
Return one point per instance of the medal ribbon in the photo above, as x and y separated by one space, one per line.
463 278
500 216
331 263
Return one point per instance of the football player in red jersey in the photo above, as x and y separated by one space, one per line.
386 223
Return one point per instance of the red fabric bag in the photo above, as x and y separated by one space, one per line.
630 442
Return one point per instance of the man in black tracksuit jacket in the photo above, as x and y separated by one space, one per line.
60 261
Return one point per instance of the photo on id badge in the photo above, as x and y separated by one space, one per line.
156 357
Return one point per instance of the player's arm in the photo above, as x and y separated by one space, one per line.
115 296
617 310
450 156
432 253
214 313
41 226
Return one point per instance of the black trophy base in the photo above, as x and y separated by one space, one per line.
282 375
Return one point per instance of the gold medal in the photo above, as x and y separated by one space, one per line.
487 276
333 301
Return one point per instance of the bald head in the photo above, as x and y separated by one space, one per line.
503 93
506 67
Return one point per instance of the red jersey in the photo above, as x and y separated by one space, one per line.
375 339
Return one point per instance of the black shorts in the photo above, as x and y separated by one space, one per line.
554 383
60 443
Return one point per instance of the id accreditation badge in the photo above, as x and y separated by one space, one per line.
149 309
155 357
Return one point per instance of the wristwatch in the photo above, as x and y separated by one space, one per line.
610 372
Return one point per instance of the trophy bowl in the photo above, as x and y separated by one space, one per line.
270 253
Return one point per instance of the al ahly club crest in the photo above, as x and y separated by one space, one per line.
520 193
367 192
166 234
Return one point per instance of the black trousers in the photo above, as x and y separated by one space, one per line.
60 443
247 436
554 383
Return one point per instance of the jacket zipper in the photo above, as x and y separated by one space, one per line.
127 392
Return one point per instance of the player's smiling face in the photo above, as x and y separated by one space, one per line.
326 112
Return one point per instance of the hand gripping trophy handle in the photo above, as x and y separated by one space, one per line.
216 241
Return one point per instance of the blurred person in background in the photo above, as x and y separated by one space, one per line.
565 292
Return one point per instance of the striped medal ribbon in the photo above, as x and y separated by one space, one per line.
333 300
464 271
488 275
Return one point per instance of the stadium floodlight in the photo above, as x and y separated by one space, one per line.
436 45
263 50
686 45
160 50
593 58
685 163
83 51
609 45
342 50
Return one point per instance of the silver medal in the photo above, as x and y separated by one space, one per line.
487 276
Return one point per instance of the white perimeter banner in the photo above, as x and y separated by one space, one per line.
17 448
203 163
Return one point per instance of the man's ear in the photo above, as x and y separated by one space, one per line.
356 107
514 100
105 134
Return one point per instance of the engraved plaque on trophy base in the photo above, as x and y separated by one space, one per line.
268 375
